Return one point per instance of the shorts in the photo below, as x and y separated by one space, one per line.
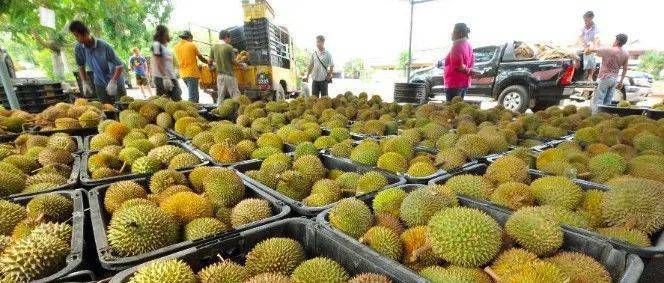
226 84
589 62
141 80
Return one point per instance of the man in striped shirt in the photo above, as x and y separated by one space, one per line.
322 67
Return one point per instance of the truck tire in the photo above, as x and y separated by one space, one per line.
515 98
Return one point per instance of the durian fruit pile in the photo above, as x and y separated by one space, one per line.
428 231
81 114
629 211
34 163
178 207
398 154
35 239
181 116
556 122
632 145
13 121
431 121
119 149
659 106
228 143
273 260
306 179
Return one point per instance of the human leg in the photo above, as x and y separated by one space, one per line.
611 91
221 88
323 88
599 95
192 86
315 89
159 85
233 89
451 93
176 92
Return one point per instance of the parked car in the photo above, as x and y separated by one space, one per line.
517 84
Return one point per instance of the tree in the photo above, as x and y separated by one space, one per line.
123 23
354 68
302 59
652 62
402 62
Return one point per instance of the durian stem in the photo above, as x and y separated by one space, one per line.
123 166
493 275
417 252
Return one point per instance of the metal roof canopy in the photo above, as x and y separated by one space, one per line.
410 35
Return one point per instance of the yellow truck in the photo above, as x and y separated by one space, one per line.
269 53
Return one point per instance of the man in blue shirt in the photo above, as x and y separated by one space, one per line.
101 59
139 66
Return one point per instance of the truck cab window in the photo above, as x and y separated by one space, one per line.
484 55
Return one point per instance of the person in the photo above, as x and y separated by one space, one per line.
222 57
187 54
322 68
613 58
459 62
589 36
139 66
163 70
102 60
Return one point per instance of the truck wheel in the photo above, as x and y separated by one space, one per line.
515 98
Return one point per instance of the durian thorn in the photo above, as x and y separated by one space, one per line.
630 224
220 257
493 275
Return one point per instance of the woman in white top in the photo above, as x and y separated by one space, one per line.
163 70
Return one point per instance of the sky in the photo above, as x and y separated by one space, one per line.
377 30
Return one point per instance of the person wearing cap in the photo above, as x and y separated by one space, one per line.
187 55
139 64
459 62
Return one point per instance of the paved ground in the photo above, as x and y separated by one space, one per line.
385 90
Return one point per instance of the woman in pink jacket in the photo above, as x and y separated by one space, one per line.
458 63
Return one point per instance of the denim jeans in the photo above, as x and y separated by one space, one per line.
452 92
192 86
604 93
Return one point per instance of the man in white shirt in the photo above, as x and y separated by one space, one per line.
589 37
322 67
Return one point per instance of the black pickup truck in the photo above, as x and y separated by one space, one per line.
517 84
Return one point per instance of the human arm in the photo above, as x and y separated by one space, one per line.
200 56
623 74
119 65
309 69
330 72
458 61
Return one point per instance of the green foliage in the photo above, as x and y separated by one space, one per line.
402 62
652 62
124 24
355 69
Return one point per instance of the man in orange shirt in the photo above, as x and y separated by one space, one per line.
187 56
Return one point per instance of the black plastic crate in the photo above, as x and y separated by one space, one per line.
655 114
314 240
100 220
329 162
75 257
87 181
623 267
621 111
72 182
11 137
648 252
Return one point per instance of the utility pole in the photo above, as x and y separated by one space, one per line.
410 35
